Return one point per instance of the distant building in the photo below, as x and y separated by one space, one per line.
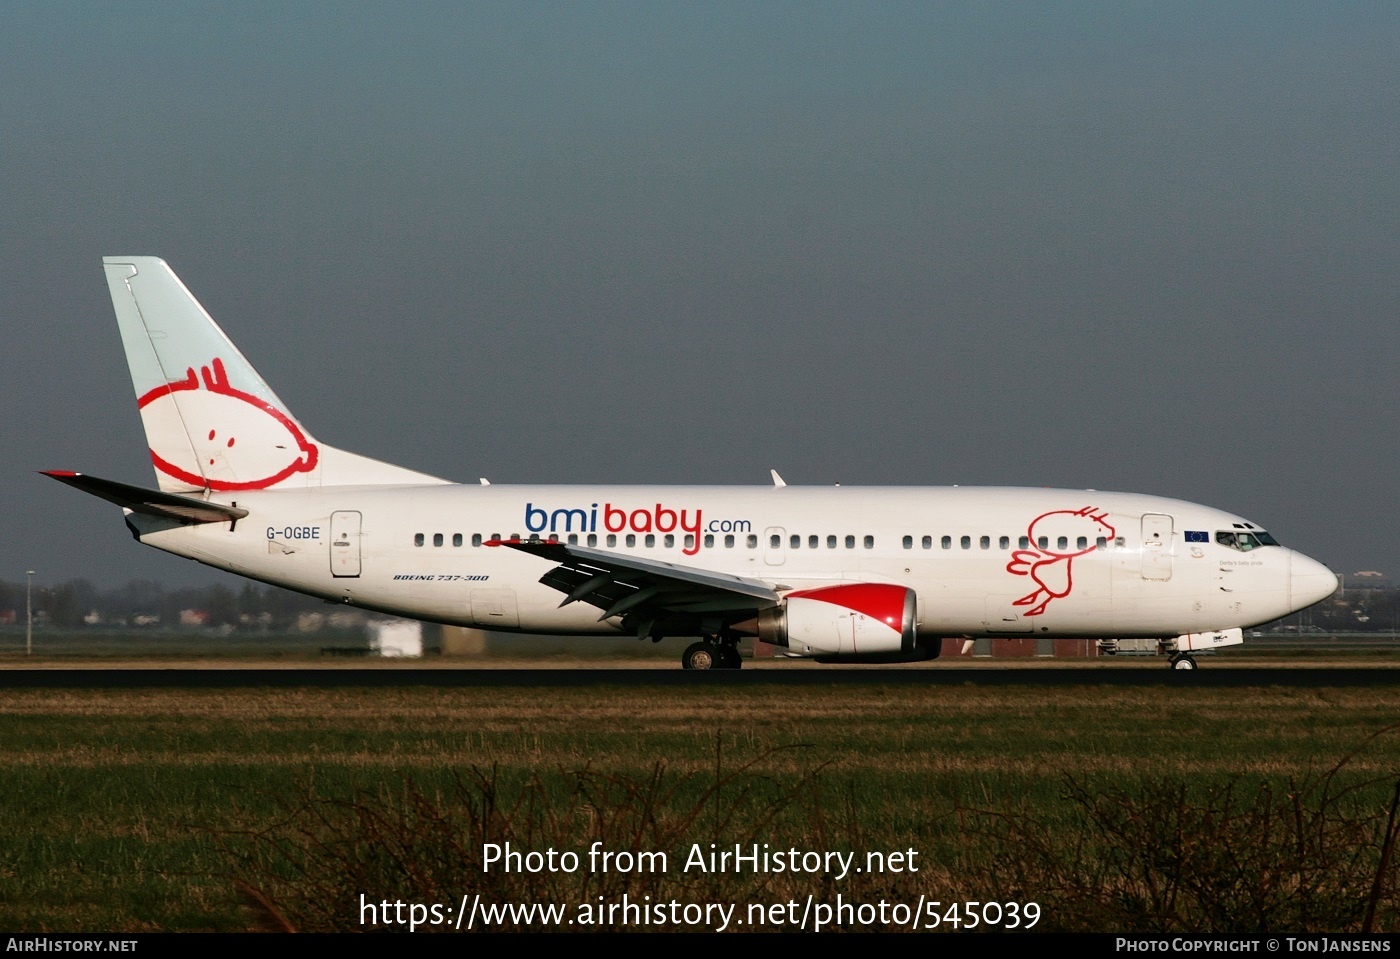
395 637
463 641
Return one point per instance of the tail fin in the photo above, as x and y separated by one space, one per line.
211 422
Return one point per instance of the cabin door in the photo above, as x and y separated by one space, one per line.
345 543
1156 546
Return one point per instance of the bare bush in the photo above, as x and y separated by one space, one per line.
310 869
1167 856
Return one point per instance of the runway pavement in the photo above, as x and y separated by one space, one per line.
207 676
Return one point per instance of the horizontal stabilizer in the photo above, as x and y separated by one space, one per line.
150 502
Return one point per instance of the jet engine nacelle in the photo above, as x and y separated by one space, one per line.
848 621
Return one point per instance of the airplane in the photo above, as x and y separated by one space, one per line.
837 574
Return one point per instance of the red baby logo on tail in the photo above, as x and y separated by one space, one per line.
238 441
1050 565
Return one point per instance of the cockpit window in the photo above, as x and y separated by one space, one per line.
1244 541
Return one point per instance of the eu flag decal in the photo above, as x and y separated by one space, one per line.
1197 536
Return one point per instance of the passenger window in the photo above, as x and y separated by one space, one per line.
592 539
1062 543
908 542
1082 543
417 539
985 542
947 542
651 540
831 542
1120 541
928 542
494 536
813 542
669 540
1043 542
631 539
775 541
437 539
1004 542
476 539
709 541
1101 542
850 542
573 539
795 541
1024 542
612 539
690 540
752 541
728 540
965 542
456 539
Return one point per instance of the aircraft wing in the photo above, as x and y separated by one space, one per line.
151 502
645 591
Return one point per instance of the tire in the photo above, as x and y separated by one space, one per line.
701 656
1183 661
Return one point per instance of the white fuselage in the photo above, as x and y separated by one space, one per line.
983 561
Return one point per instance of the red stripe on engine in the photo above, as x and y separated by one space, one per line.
880 601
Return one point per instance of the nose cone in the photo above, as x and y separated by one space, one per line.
1310 582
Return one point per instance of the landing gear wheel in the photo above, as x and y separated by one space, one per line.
1183 661
729 658
702 656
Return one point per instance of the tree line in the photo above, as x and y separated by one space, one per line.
78 603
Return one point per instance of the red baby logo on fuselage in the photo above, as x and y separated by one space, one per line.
1050 565
238 441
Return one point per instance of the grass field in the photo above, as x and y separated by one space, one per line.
136 810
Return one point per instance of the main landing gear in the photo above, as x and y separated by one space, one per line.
1183 661
712 653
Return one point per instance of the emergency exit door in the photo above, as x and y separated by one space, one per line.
774 549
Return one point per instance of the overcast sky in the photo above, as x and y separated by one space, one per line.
1151 247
